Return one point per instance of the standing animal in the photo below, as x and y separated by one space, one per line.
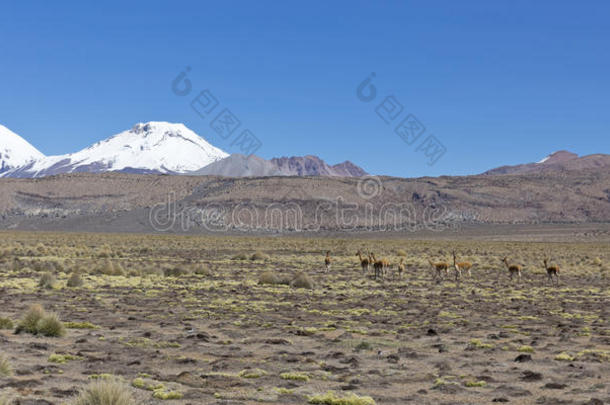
327 260
378 266
462 266
551 271
364 262
401 267
439 267
513 269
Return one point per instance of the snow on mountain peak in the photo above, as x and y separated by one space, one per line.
559 156
151 147
15 151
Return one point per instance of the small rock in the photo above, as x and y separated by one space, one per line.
393 358
555 386
522 358
531 376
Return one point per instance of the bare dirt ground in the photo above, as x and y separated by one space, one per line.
186 316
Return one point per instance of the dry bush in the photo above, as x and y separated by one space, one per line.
108 391
202 270
259 256
51 326
5 366
47 281
30 319
268 277
240 256
75 280
37 322
302 280
176 271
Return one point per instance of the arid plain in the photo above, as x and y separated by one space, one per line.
245 320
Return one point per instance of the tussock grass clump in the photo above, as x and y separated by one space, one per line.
202 270
37 322
401 253
110 391
259 256
30 319
240 256
268 277
5 367
330 398
6 323
177 271
51 326
75 280
302 280
47 281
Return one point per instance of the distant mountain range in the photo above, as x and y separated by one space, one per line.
157 148
253 166
559 161
168 148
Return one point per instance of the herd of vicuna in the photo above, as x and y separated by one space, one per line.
383 266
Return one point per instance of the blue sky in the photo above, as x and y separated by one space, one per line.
496 82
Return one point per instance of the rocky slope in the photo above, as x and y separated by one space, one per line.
125 202
558 161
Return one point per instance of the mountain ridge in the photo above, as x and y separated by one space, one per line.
557 161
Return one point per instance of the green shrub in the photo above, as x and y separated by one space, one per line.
5 367
6 323
109 391
47 281
331 398
294 376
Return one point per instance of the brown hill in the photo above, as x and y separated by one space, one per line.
124 202
558 161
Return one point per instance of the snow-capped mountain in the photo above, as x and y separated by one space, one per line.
153 147
15 151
